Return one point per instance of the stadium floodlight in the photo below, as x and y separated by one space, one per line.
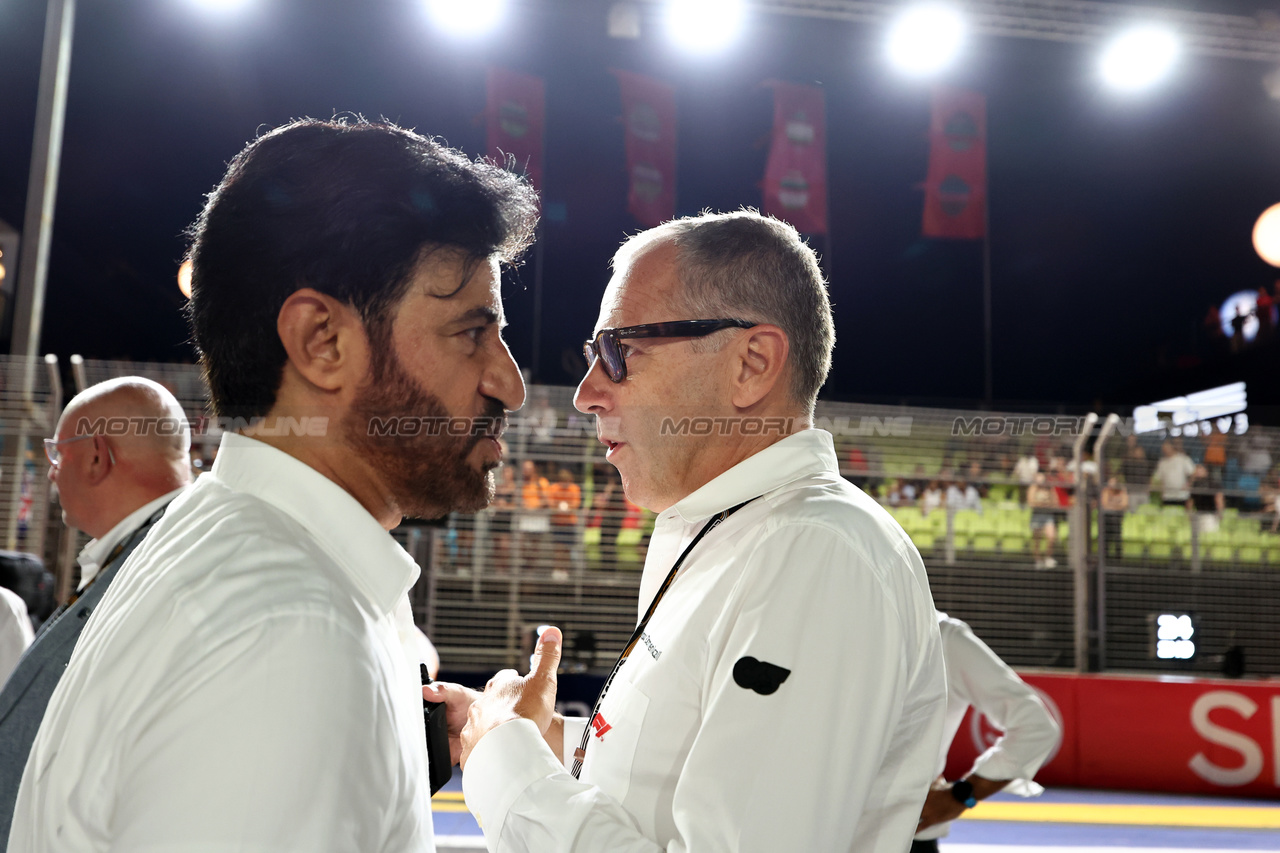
1139 57
466 18
925 39
221 5
704 26
1266 235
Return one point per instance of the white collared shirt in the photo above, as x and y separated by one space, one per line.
96 551
241 686
15 631
976 676
814 578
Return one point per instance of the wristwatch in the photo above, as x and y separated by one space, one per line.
963 792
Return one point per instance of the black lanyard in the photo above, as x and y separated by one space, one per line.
581 752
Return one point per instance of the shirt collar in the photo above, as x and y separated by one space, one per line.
379 567
801 454
93 554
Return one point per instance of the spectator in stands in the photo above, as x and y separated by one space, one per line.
501 521
1136 469
963 496
1172 473
1043 501
15 637
746 638
253 690
564 497
1025 470
1237 329
1114 503
1215 456
1205 502
113 485
533 489
1264 309
932 497
977 678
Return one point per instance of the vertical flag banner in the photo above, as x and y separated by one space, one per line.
955 200
795 179
514 120
649 122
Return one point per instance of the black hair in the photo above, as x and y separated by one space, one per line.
349 208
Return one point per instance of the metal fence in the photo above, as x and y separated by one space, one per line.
1073 571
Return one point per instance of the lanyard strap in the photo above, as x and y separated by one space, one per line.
581 752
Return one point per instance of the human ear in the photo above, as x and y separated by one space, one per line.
324 339
759 364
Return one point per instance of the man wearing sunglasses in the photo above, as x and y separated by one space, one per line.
113 488
783 689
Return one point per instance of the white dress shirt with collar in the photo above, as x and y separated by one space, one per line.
814 578
96 551
242 685
976 676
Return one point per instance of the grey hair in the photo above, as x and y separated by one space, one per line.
747 266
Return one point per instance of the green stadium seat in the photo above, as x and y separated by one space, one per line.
984 542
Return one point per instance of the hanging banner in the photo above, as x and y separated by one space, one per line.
649 122
955 202
514 120
795 178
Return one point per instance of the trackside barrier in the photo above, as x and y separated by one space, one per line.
1151 733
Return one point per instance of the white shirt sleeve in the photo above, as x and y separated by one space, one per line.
15 631
791 770
978 677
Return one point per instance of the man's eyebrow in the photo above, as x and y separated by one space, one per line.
482 312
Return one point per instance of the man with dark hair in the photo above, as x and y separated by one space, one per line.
245 686
118 457
784 687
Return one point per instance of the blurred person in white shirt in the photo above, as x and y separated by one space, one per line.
978 678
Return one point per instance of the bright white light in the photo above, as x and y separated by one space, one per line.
925 39
1266 235
1139 58
466 18
1173 637
222 5
704 26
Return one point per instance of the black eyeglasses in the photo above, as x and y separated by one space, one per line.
606 344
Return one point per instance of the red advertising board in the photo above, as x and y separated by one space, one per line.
1158 733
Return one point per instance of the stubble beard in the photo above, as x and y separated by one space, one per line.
427 475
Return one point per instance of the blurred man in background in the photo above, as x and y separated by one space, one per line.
977 678
119 456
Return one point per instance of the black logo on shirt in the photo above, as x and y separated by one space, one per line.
760 676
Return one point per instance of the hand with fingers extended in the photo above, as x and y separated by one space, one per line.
508 696
457 701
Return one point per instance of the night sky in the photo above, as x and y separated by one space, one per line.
1115 221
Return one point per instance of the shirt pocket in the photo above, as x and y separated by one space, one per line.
615 736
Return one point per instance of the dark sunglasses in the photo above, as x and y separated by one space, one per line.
606 344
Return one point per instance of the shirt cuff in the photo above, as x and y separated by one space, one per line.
505 762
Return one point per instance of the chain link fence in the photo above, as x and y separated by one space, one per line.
1060 548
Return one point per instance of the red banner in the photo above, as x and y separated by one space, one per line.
1172 733
649 119
795 179
955 203
514 120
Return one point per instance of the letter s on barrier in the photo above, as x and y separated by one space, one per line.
1210 731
